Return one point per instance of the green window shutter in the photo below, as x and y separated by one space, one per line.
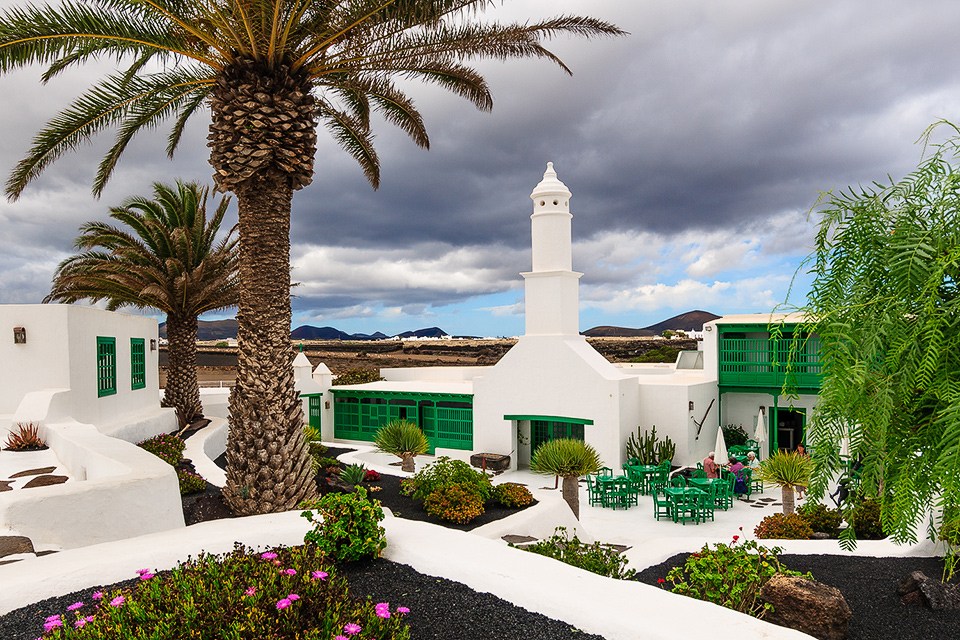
106 366
138 364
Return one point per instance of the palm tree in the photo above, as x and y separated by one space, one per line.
269 70
568 459
788 469
170 262
403 439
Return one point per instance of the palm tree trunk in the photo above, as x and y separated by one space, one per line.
409 463
268 462
786 492
182 390
571 494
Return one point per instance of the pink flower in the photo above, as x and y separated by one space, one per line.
351 629
382 610
340 638
146 576
52 623
250 591
89 618
293 597
269 555
291 572
97 595
283 603
403 610
319 575
80 622
75 606
143 571
116 602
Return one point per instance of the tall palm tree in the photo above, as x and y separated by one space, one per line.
171 261
269 70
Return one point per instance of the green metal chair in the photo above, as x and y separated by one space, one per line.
594 492
661 507
686 508
698 473
723 497
621 495
606 471
678 481
706 504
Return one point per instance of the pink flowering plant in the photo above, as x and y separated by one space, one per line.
281 594
729 575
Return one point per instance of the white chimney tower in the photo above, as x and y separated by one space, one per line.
551 288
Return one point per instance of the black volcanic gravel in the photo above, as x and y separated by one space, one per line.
869 586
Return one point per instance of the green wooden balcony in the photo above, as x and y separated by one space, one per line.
762 362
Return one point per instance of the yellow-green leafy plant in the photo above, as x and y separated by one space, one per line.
403 439
786 469
444 472
597 557
458 503
346 526
568 459
511 494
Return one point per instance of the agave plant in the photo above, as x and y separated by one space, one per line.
568 459
25 438
788 469
353 474
403 439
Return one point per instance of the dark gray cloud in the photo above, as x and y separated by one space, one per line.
714 124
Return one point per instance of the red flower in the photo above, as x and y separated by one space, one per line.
735 538
661 581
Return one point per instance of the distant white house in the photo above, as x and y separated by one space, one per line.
553 384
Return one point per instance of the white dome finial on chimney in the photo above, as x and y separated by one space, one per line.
551 194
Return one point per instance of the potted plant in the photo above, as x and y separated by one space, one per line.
26 437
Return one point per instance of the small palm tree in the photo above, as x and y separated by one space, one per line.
404 440
568 459
171 261
787 469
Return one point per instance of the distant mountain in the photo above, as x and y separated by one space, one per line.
307 332
210 329
690 320
432 332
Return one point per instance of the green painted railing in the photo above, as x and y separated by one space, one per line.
762 362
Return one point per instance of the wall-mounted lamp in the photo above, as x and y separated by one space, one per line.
153 345
19 335
690 406
708 328
326 404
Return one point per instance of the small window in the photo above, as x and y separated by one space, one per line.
138 364
106 366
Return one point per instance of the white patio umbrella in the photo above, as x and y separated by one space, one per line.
760 435
720 449
845 447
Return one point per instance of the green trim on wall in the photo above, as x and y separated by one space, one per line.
549 419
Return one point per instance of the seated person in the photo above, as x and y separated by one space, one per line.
752 461
740 482
713 471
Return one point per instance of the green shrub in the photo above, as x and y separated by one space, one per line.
356 376
190 482
734 435
456 502
596 558
168 448
353 474
317 449
327 462
782 526
821 519
284 594
730 575
348 528
866 520
662 354
445 472
222 343
312 434
511 494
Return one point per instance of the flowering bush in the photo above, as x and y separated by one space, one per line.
349 526
730 575
458 503
285 594
597 558
190 482
445 472
371 476
168 448
511 494
784 526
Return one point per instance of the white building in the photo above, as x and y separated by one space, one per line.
553 384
